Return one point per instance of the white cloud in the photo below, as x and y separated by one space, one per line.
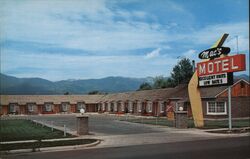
153 54
90 26
58 67
209 34
190 53
140 14
243 43
87 25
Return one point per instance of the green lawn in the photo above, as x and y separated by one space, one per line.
15 130
224 123
209 124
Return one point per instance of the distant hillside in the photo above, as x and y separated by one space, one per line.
242 76
18 86
13 85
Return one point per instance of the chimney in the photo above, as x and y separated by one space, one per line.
193 64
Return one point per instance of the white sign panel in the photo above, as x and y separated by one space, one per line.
211 80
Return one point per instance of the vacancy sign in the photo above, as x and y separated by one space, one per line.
216 79
222 65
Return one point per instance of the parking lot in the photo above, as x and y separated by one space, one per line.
99 124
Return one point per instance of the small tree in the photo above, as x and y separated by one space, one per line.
182 72
94 92
170 82
66 93
145 86
160 82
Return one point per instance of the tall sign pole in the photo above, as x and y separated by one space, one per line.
229 109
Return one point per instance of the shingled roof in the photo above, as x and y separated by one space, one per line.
211 92
152 95
41 99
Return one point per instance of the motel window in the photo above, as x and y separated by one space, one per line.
177 106
80 105
109 106
115 106
122 106
65 106
48 107
161 107
216 108
149 107
99 106
31 107
139 106
130 106
13 108
103 106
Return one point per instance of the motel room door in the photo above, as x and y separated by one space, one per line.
155 110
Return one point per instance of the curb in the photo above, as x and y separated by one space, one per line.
52 149
217 131
63 148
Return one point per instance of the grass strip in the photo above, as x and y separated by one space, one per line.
18 130
40 144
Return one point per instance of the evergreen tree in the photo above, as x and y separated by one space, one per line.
160 82
145 86
182 72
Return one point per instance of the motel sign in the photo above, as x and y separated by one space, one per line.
222 65
219 71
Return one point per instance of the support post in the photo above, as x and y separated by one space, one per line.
181 119
82 123
64 130
52 126
229 109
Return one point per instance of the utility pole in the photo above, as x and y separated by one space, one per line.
237 45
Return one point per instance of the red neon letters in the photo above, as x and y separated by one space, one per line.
221 65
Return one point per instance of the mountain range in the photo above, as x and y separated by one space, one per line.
13 85
23 86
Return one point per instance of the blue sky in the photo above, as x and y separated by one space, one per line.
82 39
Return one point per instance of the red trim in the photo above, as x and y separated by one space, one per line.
49 113
147 114
120 113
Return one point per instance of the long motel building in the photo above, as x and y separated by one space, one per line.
157 102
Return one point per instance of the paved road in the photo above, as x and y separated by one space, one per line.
229 148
